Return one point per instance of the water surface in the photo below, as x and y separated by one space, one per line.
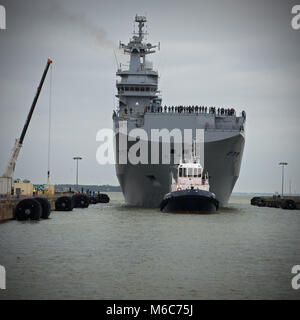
111 251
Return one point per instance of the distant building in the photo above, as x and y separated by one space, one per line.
23 188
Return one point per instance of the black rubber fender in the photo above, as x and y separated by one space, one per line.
291 205
288 204
103 198
255 200
28 209
64 203
46 208
261 203
81 201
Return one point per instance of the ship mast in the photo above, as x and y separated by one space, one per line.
136 47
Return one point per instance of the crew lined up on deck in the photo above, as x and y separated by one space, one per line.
192 109
189 109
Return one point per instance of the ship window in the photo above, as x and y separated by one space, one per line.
190 172
184 172
126 88
137 89
131 89
180 172
142 89
147 89
199 173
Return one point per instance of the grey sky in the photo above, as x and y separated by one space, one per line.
241 54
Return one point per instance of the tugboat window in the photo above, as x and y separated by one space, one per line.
180 172
195 173
199 173
184 172
190 172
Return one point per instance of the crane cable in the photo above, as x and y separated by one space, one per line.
49 126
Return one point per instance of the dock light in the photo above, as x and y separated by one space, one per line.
77 158
282 180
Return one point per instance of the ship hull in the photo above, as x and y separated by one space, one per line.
146 184
191 201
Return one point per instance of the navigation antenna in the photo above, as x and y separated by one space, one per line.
141 21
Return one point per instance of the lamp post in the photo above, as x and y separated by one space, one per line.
77 158
282 181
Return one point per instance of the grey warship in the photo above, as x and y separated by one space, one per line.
140 106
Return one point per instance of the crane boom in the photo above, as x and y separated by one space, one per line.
34 102
18 143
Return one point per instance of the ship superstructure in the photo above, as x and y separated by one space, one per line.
140 106
138 87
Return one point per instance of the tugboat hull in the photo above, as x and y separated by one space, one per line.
198 201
